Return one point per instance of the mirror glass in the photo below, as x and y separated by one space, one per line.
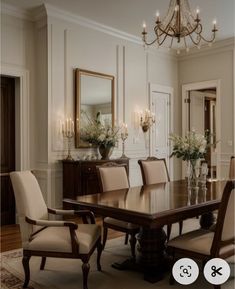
94 94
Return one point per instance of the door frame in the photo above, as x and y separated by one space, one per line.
22 92
197 86
170 91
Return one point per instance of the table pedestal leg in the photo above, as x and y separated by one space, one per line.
207 220
152 256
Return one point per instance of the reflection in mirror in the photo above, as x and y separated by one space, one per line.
202 117
94 95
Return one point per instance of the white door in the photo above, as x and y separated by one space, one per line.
161 128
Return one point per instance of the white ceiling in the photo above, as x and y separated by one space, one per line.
128 15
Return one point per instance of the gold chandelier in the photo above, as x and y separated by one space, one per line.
179 23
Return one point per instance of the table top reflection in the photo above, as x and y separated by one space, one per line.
171 200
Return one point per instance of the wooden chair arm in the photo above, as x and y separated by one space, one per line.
81 213
72 228
48 223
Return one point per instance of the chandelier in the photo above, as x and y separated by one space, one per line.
179 23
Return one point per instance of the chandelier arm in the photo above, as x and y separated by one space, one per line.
163 40
194 42
164 31
150 43
156 31
209 41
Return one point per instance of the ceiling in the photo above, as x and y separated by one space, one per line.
128 15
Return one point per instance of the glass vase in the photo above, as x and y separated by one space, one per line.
192 173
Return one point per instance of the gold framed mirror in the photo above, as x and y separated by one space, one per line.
94 93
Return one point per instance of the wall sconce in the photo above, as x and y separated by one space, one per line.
147 119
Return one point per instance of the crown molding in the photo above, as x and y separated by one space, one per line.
72 18
217 47
16 12
43 12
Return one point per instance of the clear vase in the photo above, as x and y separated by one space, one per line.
192 173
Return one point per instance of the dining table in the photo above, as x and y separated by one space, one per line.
152 207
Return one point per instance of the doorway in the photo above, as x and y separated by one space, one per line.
161 98
201 112
7 149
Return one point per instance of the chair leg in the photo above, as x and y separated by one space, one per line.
180 227
132 243
85 270
43 263
25 262
105 234
126 238
217 287
168 233
99 251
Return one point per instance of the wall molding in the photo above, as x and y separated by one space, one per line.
218 47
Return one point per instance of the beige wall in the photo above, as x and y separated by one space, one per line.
52 47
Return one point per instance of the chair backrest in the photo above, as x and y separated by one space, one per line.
154 171
29 201
113 176
232 168
224 230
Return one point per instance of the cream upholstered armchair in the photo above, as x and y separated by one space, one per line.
154 171
113 176
45 238
206 244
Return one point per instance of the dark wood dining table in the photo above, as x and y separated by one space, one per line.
152 207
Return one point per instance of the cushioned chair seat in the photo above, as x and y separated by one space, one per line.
120 223
57 239
199 241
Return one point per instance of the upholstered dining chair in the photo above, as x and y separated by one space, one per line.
154 171
206 244
111 177
232 168
48 238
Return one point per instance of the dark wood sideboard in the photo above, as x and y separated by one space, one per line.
80 177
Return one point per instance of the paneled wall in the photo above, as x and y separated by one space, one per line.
53 44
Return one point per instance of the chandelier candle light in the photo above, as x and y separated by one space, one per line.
124 135
68 132
179 23
147 119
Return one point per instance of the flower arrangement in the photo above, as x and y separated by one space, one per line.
99 134
191 147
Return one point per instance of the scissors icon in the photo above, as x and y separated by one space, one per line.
216 271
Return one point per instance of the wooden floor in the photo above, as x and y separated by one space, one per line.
10 236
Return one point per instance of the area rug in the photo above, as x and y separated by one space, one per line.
67 274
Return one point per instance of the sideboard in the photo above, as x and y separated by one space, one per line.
80 177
